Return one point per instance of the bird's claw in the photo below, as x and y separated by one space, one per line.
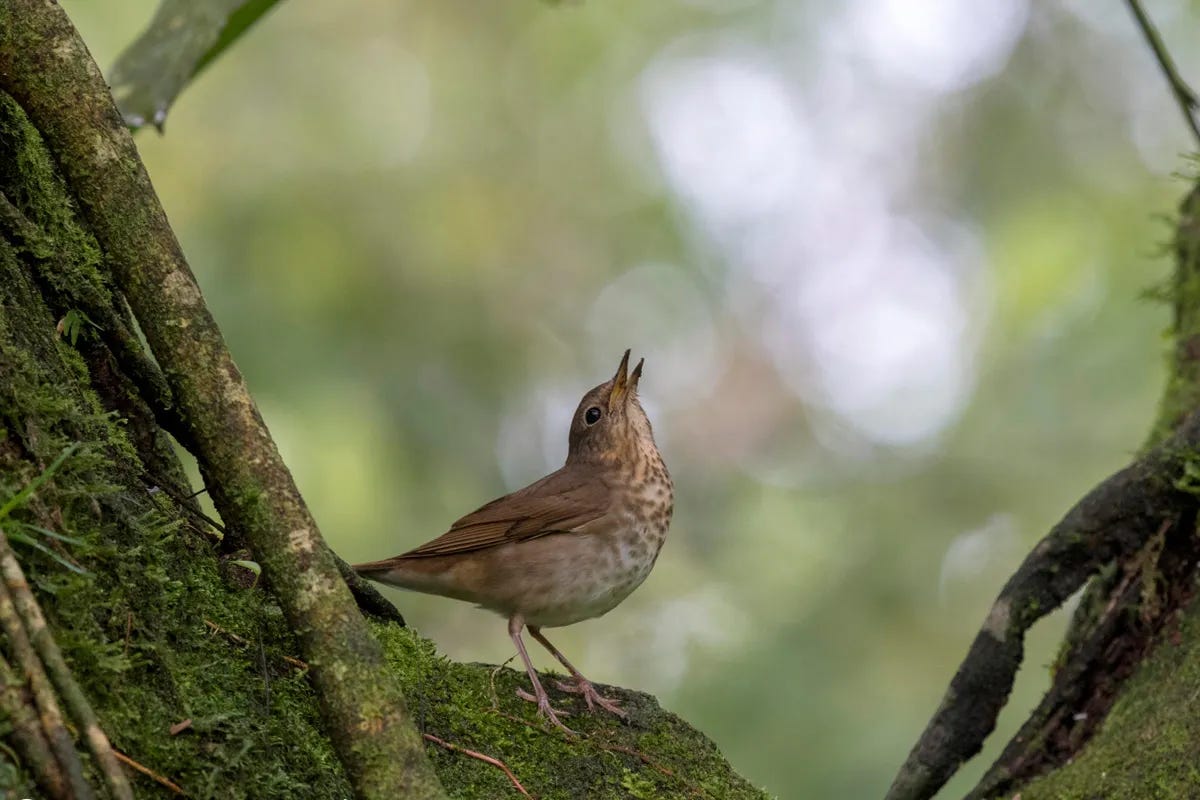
550 712
593 698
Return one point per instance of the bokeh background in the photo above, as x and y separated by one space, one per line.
887 262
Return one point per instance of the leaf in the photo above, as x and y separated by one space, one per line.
72 322
20 497
253 566
21 538
183 37
50 534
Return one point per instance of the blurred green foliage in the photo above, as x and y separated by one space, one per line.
427 228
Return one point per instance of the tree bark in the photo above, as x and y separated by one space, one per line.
208 682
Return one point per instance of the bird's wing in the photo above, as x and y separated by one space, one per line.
558 503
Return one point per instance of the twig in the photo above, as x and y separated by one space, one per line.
495 762
233 637
180 501
149 773
60 674
1184 95
43 694
492 681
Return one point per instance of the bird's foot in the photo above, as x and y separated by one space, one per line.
593 698
543 703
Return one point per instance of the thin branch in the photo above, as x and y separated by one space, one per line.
233 637
149 773
43 694
28 736
1188 101
155 485
60 674
495 762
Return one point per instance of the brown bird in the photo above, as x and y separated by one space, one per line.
566 548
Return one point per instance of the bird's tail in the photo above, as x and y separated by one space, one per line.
427 575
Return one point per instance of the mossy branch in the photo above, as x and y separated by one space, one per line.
46 68
1114 519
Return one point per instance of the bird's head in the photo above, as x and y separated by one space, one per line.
609 424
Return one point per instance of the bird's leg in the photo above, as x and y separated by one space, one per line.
581 685
539 696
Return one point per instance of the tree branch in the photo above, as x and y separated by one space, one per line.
43 695
60 674
1189 103
28 736
47 69
1113 520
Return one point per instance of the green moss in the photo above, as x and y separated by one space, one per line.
134 630
474 706
1149 745
31 183
1182 393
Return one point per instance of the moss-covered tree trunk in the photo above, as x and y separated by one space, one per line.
206 679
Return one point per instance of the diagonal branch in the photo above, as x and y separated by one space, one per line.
1113 520
28 735
1141 599
43 61
1189 103
49 712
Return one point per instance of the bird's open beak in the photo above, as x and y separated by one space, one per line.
624 382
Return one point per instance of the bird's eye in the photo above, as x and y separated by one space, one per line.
592 415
